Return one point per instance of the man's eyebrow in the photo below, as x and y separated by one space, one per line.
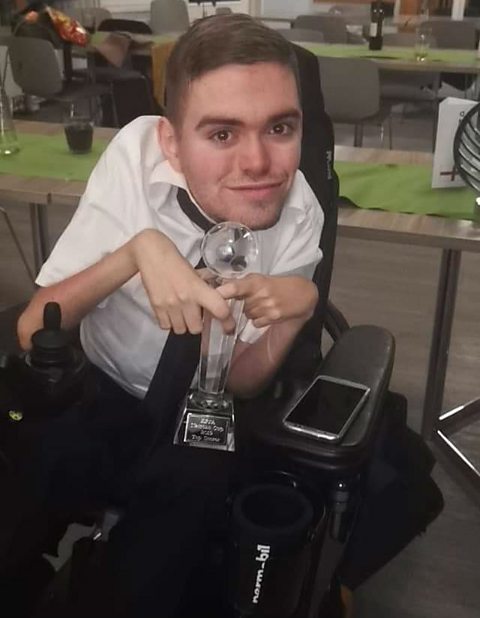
291 114
208 121
225 121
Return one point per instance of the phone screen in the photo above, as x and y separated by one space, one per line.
327 406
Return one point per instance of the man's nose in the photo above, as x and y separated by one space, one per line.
254 156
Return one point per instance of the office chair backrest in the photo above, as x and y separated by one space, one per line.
302 34
125 25
35 66
333 27
399 39
169 16
351 88
451 34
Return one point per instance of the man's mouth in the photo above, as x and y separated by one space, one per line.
257 190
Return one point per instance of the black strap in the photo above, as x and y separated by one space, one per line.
179 359
192 211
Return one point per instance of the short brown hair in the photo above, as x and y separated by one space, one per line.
218 40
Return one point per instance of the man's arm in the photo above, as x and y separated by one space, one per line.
282 303
176 292
255 364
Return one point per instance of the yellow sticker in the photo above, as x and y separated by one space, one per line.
15 415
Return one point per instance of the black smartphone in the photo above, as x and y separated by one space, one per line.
327 408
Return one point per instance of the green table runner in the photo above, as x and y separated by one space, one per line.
402 188
453 56
48 157
397 188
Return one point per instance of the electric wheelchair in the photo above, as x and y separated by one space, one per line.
324 482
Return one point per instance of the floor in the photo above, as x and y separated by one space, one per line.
392 286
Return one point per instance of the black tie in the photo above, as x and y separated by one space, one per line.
180 355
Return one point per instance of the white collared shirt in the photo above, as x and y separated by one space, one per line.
132 188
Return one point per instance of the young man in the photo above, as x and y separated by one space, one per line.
124 267
124 270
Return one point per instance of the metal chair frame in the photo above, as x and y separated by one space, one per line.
18 245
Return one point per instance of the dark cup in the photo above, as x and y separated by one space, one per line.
79 134
270 550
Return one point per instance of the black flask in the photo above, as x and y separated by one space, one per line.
270 550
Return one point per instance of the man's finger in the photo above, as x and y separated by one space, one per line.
233 289
177 322
205 274
193 319
163 320
218 307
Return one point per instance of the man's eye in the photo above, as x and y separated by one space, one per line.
281 129
222 136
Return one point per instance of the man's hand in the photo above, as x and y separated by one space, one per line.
270 300
177 292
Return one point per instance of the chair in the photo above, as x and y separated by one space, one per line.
91 17
302 34
169 16
36 70
407 87
351 90
452 34
358 14
333 27
18 245
131 26
133 78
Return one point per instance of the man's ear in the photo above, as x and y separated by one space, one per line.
167 138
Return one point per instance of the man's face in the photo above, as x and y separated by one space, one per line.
238 142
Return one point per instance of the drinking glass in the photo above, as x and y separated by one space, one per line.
8 135
422 45
78 126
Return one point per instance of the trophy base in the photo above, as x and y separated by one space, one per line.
206 421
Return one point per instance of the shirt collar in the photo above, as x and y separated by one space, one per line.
164 172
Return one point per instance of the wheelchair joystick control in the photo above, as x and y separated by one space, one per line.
51 345
49 378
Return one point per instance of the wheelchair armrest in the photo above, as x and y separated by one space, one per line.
362 354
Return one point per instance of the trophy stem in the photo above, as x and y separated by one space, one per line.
216 352
208 420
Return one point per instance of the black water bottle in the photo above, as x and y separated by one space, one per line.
377 15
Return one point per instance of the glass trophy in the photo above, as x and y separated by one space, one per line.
207 419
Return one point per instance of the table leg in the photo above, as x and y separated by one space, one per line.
40 237
476 88
442 329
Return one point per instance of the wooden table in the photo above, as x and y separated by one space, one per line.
36 192
451 237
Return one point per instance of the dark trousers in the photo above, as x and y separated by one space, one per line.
92 457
